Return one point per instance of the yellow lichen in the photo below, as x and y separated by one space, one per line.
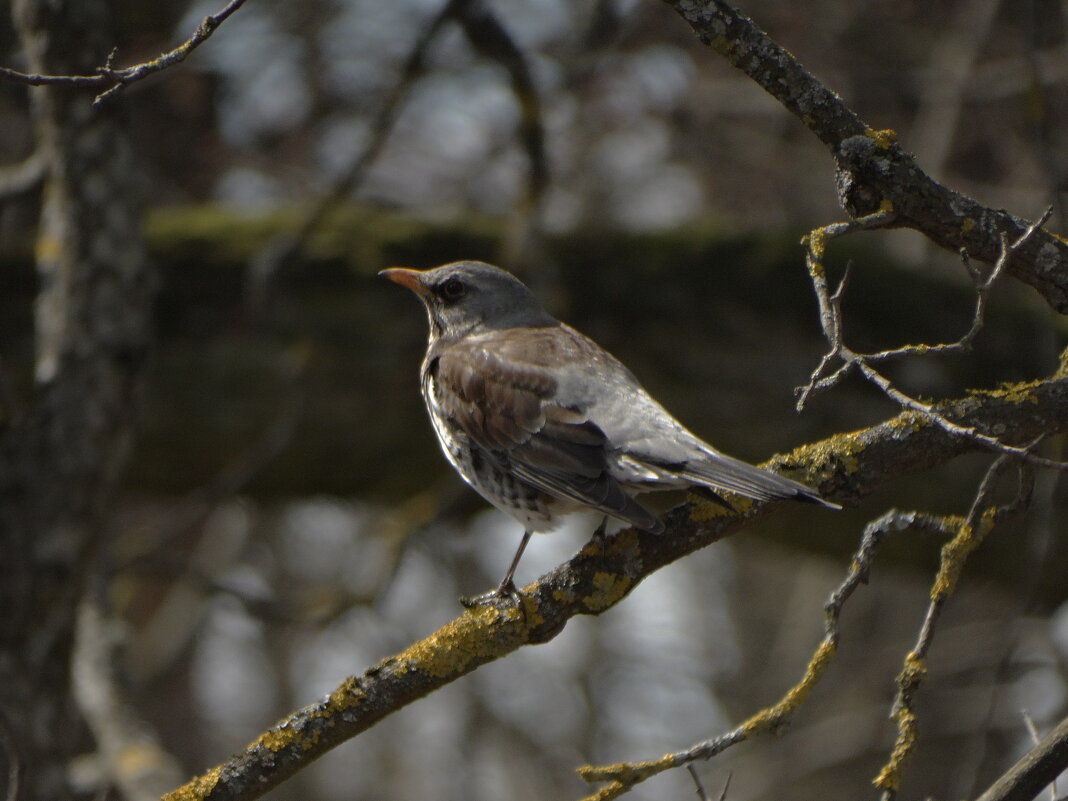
816 242
627 773
1022 392
194 790
914 671
563 596
345 696
285 735
608 589
826 456
728 48
908 421
771 718
889 777
702 510
884 139
450 650
955 553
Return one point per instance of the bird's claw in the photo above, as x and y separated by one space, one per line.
505 590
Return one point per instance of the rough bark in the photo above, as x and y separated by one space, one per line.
59 458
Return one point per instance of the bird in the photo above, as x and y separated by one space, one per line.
542 421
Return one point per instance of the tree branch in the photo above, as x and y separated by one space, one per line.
874 173
129 748
967 535
118 79
490 39
623 776
1037 768
830 305
845 467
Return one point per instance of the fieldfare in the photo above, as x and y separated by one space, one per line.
542 421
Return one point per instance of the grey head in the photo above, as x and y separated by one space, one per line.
469 297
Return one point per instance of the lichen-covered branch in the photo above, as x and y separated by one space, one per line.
830 306
967 534
622 776
845 467
875 174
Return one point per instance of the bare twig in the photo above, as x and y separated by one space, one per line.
699 788
489 37
726 787
964 535
982 293
118 79
622 776
874 172
283 247
1032 730
970 532
823 377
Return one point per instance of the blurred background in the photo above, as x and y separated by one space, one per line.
287 520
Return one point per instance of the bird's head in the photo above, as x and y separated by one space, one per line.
467 297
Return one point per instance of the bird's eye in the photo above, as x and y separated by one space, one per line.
453 288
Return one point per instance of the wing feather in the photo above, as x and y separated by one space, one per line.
506 408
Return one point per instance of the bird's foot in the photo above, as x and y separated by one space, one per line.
506 589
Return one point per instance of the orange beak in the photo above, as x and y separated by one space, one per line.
412 279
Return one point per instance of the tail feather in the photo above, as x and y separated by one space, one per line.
721 472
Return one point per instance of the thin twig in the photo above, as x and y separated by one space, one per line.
830 307
726 787
702 794
284 246
622 776
969 534
488 36
1032 730
118 79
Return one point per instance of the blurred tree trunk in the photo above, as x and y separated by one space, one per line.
61 453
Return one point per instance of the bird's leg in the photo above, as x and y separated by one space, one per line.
599 534
507 588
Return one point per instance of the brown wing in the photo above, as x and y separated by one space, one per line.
506 408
